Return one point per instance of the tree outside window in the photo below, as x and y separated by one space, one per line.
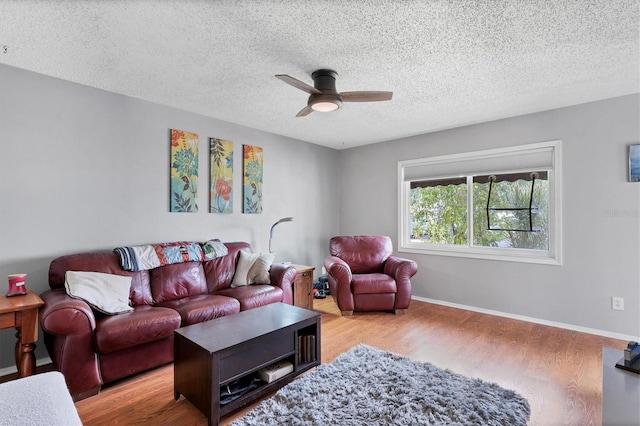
516 216
439 212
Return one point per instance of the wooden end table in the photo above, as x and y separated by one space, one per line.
21 313
303 286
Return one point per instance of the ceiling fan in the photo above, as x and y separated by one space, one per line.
323 95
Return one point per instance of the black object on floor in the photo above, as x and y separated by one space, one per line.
324 281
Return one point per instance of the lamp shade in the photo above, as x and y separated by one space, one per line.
284 219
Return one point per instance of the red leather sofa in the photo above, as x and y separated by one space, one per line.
91 349
365 276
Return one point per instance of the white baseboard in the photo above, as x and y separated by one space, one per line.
531 319
13 369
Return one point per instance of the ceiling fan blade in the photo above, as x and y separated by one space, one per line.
298 84
304 111
371 96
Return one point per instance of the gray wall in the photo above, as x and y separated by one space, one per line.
83 169
601 224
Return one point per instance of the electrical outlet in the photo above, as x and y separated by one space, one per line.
617 303
324 270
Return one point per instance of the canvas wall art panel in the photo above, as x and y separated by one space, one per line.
184 172
220 176
252 179
634 163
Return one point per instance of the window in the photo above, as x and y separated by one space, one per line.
499 204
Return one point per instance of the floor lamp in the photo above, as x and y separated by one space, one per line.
284 219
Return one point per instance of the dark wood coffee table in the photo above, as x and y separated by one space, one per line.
217 352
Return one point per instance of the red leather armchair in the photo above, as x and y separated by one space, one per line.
365 276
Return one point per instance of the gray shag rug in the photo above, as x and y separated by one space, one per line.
368 386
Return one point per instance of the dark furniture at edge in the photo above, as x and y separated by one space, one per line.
214 353
620 391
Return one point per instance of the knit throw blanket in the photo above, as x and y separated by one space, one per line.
149 256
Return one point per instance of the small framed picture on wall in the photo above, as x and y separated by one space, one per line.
634 163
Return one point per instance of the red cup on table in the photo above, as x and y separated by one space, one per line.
17 284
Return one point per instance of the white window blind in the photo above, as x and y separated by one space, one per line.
532 157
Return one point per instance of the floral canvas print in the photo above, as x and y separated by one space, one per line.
252 179
184 171
221 176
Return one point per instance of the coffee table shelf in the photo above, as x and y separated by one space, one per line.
217 352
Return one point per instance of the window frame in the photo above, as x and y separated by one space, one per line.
551 257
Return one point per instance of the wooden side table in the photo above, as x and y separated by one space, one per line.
303 286
21 312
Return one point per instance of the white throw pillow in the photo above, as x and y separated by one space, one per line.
253 268
106 293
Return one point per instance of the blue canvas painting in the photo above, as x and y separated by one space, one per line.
634 163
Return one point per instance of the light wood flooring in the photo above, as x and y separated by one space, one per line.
558 371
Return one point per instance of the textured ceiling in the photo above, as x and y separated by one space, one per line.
449 63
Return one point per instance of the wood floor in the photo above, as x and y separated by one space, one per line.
558 371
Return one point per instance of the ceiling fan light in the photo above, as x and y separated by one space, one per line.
325 106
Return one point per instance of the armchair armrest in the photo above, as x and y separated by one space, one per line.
338 268
283 276
401 270
340 278
68 325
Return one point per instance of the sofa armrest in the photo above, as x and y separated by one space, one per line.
340 278
62 314
401 270
68 325
283 276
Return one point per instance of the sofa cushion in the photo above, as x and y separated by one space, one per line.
219 272
253 296
172 282
373 284
124 363
252 268
203 307
106 293
145 324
